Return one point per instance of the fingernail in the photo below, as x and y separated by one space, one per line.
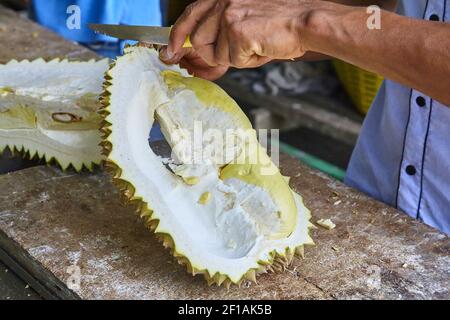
166 54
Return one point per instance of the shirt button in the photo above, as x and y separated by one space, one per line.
434 17
411 170
421 102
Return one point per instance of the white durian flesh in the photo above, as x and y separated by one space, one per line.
227 219
49 110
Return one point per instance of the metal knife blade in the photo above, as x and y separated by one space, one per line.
153 35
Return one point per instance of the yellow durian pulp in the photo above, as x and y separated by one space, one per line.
253 165
209 94
267 176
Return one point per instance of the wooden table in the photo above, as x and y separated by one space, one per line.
52 223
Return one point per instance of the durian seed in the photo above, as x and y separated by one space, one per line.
64 117
204 198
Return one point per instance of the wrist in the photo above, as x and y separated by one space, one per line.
322 26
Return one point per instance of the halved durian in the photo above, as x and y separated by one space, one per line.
227 214
49 110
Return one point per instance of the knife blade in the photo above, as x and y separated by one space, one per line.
153 35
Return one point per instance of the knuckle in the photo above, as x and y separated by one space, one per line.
220 6
236 60
233 12
236 30
230 16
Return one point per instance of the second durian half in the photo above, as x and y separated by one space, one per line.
48 110
224 209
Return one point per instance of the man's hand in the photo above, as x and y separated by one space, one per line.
249 33
239 33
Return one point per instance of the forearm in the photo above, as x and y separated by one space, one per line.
412 52
389 5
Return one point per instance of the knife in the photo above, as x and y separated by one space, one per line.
152 35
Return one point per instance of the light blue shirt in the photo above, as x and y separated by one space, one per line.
53 15
403 154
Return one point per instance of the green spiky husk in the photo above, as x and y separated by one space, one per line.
276 263
26 154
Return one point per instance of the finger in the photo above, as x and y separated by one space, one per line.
258 61
238 58
204 36
174 58
186 23
202 71
253 61
243 57
222 49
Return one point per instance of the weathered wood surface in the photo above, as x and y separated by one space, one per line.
50 221
21 39
62 220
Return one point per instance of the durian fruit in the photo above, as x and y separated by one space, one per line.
49 110
223 209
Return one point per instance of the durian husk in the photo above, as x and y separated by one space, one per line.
22 151
276 263
35 155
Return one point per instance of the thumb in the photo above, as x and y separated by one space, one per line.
166 55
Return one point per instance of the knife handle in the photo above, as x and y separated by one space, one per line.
187 43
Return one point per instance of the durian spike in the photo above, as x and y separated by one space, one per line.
300 251
220 279
289 257
227 284
251 275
